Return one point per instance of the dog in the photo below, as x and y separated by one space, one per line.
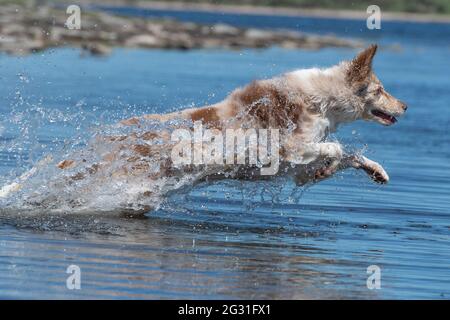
312 103
305 105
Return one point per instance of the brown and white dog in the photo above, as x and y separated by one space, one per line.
313 102
304 105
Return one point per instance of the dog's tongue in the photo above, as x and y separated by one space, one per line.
384 116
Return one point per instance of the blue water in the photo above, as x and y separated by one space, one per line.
233 240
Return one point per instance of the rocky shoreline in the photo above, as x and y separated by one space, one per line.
24 30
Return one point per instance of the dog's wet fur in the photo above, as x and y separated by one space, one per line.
305 105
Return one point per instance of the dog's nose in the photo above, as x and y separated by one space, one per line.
404 106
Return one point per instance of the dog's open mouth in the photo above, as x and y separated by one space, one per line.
387 118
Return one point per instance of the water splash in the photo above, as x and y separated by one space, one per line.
108 169
111 168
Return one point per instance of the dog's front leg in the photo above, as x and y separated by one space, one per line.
375 171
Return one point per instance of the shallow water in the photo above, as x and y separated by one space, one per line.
230 240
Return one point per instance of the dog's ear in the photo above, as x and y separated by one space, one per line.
360 67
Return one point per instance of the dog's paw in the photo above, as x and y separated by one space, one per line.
377 173
372 168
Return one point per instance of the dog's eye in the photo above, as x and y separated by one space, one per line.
379 91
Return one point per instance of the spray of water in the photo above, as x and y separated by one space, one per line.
35 139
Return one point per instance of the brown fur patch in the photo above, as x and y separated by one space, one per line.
142 150
65 164
270 105
149 136
360 68
140 167
207 115
78 176
133 159
94 168
130 122
116 138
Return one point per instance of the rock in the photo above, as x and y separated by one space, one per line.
181 41
143 40
155 29
113 22
33 45
211 43
289 44
224 30
56 34
35 33
21 46
27 29
107 36
257 34
190 26
96 49
13 29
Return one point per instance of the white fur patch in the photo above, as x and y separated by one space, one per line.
6 190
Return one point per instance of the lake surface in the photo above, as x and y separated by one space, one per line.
234 240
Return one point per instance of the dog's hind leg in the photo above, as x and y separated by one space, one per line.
316 161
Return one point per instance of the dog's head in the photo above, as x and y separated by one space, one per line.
378 105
